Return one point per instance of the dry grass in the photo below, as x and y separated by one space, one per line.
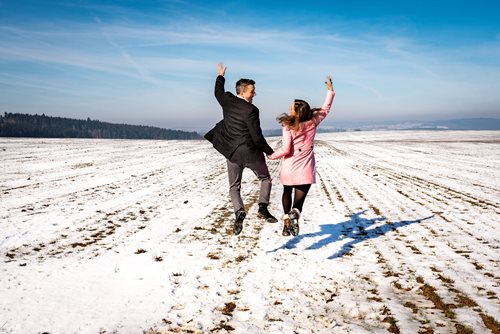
393 328
463 300
213 256
411 306
222 326
490 323
375 210
461 329
445 279
430 293
228 308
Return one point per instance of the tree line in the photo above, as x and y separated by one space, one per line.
41 126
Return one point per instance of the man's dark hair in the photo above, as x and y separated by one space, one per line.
242 84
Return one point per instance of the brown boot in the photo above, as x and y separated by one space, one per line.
287 224
294 216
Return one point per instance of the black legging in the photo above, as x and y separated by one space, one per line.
298 199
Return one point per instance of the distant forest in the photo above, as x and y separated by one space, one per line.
41 126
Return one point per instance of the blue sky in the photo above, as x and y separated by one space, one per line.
155 62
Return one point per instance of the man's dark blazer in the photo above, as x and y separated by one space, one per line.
240 125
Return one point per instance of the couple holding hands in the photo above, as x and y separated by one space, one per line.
238 136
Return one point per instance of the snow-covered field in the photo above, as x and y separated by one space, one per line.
399 235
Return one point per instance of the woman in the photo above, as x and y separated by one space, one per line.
298 168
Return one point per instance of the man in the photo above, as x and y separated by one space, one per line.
239 138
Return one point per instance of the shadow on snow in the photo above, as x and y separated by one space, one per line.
355 229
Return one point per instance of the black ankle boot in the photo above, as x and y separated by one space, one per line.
238 221
265 214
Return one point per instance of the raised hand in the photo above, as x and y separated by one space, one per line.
222 70
328 83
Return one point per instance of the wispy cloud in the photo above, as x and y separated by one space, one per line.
38 84
62 56
291 45
143 72
177 57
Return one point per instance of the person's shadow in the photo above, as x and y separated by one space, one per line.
355 229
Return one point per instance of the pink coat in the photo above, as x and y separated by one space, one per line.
298 165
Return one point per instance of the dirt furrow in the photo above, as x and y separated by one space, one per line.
408 244
230 255
428 195
356 229
429 204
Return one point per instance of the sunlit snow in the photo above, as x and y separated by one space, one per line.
400 234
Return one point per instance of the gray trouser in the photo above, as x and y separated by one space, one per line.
235 172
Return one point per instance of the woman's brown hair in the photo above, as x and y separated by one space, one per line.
303 113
